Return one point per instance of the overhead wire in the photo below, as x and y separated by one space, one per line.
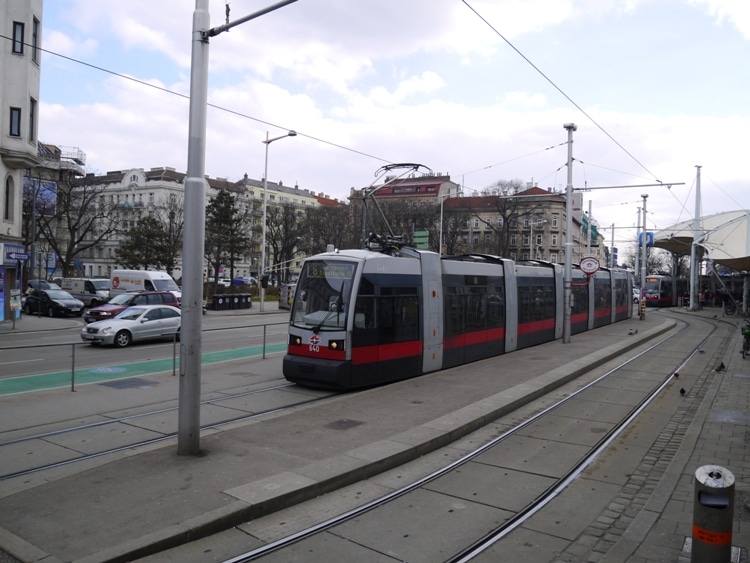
560 90
185 96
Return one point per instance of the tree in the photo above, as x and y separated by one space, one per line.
227 232
74 218
284 230
328 225
145 245
502 199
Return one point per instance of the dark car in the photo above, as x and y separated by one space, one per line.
122 301
42 284
52 302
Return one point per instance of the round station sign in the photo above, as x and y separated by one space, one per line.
589 265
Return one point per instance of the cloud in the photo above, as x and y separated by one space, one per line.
736 11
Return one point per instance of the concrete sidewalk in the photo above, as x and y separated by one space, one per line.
146 502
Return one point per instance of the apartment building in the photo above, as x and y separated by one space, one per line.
20 58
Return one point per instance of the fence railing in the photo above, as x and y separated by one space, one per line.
263 329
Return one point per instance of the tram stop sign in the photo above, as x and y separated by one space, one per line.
589 265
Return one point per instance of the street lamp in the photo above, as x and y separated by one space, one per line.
267 142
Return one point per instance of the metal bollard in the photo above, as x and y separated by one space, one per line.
713 511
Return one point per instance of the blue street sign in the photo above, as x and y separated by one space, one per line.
18 256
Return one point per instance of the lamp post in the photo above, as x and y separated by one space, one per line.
265 209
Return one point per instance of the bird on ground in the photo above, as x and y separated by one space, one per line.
721 367
682 391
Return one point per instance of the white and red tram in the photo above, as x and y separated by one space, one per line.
362 318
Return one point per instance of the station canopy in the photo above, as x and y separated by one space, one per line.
725 238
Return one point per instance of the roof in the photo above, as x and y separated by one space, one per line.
725 237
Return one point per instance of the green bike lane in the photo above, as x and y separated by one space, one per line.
99 374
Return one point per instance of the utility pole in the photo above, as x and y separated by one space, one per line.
695 261
568 269
644 257
188 428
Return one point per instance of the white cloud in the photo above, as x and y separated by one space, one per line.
736 11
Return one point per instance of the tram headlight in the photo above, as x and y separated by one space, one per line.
336 344
295 340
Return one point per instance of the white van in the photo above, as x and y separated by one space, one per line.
91 291
142 280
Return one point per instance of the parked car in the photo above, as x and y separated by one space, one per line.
42 284
245 281
636 295
52 302
226 282
120 302
141 322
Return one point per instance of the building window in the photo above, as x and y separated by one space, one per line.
526 222
35 41
554 240
32 120
18 38
526 240
9 200
151 197
553 257
540 223
476 222
554 221
513 241
499 221
15 122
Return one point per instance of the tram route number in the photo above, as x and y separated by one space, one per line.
314 343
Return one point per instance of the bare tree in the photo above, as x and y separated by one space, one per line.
73 216
284 231
328 225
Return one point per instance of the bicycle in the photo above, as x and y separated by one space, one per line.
746 339
730 308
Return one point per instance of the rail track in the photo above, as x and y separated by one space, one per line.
464 509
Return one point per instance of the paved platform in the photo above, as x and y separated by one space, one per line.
122 510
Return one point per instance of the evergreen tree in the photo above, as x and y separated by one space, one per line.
227 233
146 245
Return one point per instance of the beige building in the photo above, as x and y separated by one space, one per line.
20 60
137 193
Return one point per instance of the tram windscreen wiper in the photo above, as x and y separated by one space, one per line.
337 306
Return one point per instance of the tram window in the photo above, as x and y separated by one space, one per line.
580 299
397 319
535 302
495 307
476 309
602 292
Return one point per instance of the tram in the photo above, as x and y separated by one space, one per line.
663 291
367 317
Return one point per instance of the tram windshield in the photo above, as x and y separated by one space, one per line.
323 295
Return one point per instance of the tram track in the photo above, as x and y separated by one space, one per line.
535 458
68 455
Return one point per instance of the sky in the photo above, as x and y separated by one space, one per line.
478 89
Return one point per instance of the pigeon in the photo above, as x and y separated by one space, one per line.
682 391
721 367
677 374
631 331
701 351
